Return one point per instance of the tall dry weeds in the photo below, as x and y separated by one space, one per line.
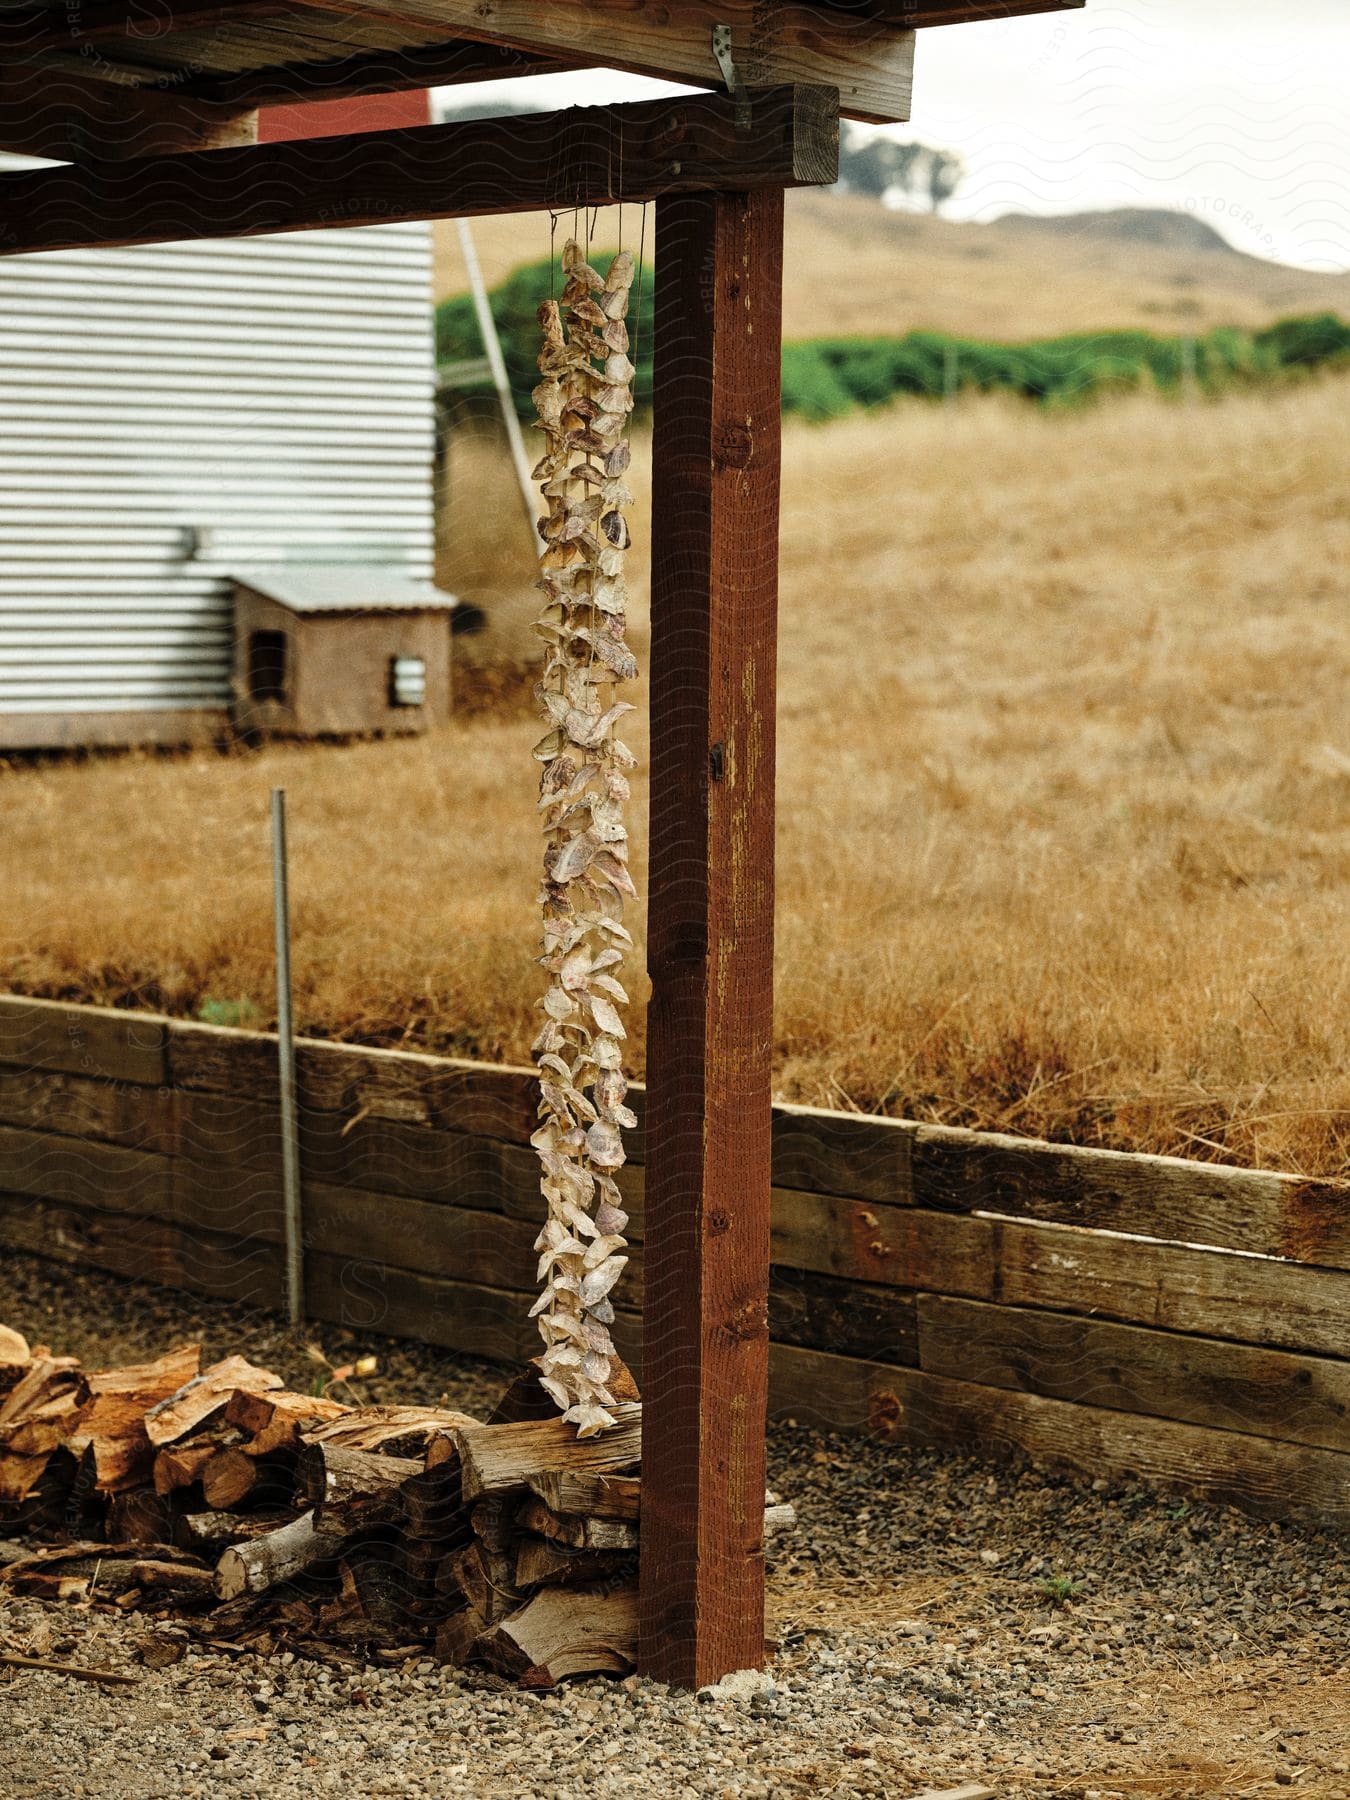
1064 796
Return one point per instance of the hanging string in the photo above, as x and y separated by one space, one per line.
641 264
553 254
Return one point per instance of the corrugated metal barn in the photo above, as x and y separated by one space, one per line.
172 414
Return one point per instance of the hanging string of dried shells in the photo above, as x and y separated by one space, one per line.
584 412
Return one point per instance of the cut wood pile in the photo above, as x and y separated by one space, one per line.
274 1519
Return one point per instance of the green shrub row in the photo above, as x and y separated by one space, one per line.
827 377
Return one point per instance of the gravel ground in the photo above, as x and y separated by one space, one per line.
939 1620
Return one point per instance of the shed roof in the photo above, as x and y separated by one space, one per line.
308 588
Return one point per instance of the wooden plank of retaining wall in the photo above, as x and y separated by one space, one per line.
82 1172
454 1315
144 1249
894 1162
1153 1196
114 1112
392 1156
850 1318
83 1040
1198 1381
1273 1480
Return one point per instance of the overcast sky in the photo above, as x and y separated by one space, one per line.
1235 110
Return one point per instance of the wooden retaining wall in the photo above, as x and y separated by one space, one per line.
933 1286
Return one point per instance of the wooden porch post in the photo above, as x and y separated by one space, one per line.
719 271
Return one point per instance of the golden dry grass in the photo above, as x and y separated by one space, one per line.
855 268
1064 795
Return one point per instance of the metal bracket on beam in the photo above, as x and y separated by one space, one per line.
721 46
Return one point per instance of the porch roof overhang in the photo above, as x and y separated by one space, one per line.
90 79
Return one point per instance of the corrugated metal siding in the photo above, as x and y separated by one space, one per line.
272 396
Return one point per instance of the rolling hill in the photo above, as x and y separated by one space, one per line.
855 268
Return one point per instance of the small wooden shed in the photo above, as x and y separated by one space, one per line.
327 650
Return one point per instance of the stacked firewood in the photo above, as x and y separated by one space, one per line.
272 1519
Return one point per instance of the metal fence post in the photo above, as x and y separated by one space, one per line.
290 1147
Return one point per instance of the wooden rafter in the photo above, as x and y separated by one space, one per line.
49 107
588 156
245 42
386 72
919 14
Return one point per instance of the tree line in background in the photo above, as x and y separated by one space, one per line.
873 162
825 378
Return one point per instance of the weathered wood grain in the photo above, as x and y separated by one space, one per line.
1200 1381
842 1153
82 1040
79 1106
710 929
51 107
850 1318
871 64
501 1459
896 1246
1153 1196
588 155
1270 1479
85 1172
394 1156
455 1315
378 72
1247 1298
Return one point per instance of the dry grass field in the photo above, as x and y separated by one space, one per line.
855 268
1064 795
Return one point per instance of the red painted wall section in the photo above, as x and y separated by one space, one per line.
335 118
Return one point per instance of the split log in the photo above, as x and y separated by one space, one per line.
575 1533
592 1496
541 1563
484 1580
172 1581
391 1430
39 1412
263 1562
44 1379
180 1465
433 1506
78 1571
15 1357
38 1494
142 1517
234 1477
210 1534
275 1421
352 1490
204 1397
492 1524
112 1428
779 1517
565 1631
457 1635
398 1608
495 1459
19 1477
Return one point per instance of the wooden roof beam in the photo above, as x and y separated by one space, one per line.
586 156
869 59
50 108
375 72
919 14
